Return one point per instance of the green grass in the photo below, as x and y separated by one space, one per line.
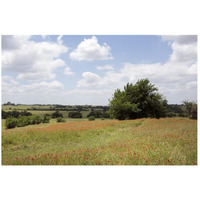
171 141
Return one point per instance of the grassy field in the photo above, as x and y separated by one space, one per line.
170 141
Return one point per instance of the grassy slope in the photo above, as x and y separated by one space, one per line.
103 142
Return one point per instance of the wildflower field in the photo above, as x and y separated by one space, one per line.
167 141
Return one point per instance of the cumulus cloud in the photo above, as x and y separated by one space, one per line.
90 49
176 79
105 67
68 71
89 79
32 60
39 92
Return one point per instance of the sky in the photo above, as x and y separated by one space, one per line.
87 69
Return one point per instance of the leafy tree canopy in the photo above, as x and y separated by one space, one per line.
137 101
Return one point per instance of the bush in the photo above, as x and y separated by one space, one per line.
15 114
35 119
75 114
91 118
23 121
57 114
60 119
11 122
46 119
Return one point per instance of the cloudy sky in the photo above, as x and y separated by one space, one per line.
69 70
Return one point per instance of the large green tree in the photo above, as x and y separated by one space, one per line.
137 101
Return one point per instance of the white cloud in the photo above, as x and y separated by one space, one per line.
89 79
88 96
68 71
105 67
39 92
89 50
9 80
32 60
176 78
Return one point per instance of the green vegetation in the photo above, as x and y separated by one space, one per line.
21 121
91 118
190 109
167 141
60 119
138 101
15 114
57 114
75 114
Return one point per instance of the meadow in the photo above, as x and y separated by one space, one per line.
167 141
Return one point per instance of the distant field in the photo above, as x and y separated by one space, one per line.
39 112
23 107
170 141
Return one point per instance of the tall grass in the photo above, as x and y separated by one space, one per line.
170 141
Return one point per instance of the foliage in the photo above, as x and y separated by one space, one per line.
76 114
174 110
137 101
21 121
57 114
60 119
11 122
46 118
15 114
98 114
190 108
91 118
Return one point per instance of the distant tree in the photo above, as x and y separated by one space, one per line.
137 101
190 108
75 114
57 114
46 118
95 113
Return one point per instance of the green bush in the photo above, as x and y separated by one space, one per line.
60 119
57 114
75 114
11 122
91 118
36 119
46 118
23 121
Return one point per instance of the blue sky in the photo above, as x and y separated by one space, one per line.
86 69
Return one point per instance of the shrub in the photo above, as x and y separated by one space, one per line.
23 121
91 118
75 114
11 122
35 119
46 119
60 119
57 114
